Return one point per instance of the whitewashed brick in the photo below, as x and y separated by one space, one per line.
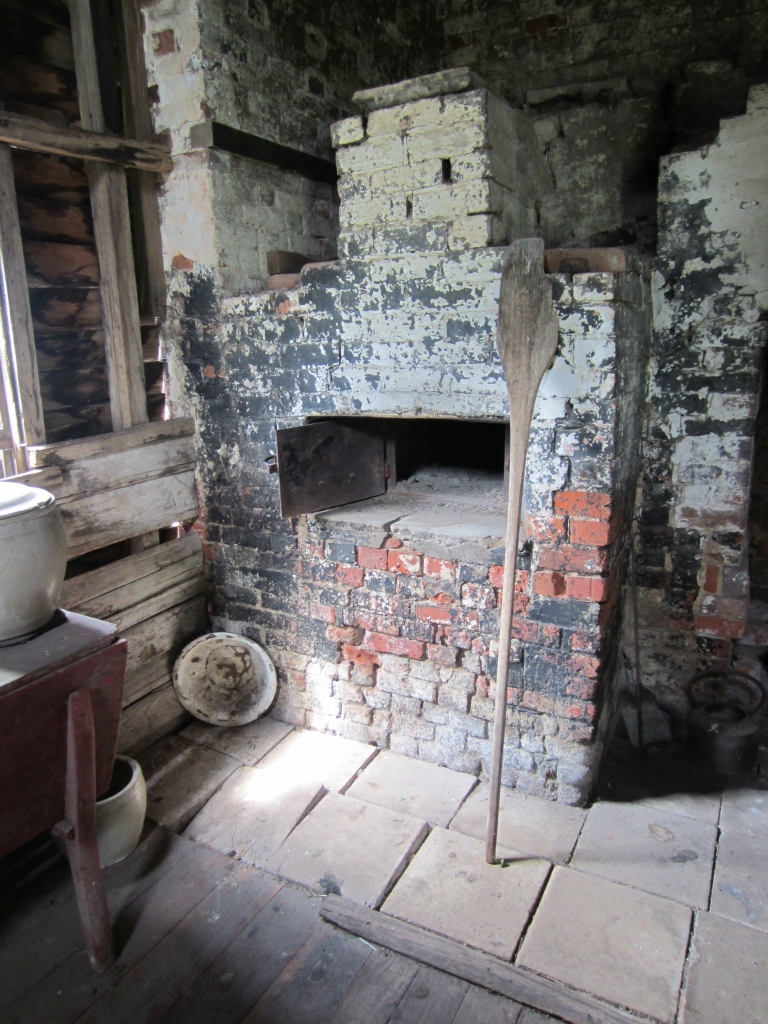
347 132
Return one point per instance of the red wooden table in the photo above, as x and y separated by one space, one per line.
60 701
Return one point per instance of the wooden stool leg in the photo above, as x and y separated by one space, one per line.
82 846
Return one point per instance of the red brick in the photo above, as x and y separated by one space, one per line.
315 550
372 558
726 629
360 657
588 531
550 636
568 558
496 576
588 504
344 634
298 679
457 638
545 531
549 584
377 623
164 42
580 641
712 579
350 575
404 560
448 615
583 689
394 645
439 568
524 630
477 595
442 655
182 262
586 665
393 542
537 701
575 711
587 588
323 612
521 603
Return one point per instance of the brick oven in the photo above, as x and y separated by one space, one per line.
382 612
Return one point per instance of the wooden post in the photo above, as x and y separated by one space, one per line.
79 830
17 316
527 342
112 229
142 185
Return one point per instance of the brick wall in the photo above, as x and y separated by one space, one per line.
710 299
284 73
444 172
613 87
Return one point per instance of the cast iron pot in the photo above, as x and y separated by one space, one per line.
725 726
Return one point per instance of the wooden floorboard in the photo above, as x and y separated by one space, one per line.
374 994
164 975
65 994
311 985
482 1007
38 935
243 972
431 996
204 939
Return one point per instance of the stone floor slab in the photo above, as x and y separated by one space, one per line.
619 944
727 979
247 743
745 811
666 854
330 760
449 888
349 847
253 813
181 777
700 806
418 788
740 889
526 823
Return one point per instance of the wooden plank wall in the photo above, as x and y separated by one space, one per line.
113 488
37 78
157 601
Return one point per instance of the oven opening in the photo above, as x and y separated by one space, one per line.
335 461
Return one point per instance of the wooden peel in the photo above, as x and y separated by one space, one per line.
527 342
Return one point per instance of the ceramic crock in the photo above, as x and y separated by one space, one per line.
120 812
33 558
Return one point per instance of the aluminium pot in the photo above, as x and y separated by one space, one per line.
33 559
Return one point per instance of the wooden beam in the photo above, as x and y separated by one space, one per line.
17 312
45 137
213 134
112 229
470 965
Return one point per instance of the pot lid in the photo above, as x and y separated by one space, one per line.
18 499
